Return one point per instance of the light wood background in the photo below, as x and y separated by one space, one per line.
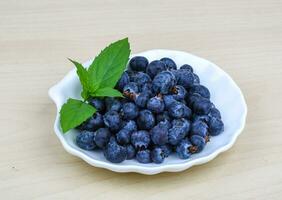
36 37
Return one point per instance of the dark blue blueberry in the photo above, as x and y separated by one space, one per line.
146 88
130 152
163 82
141 79
165 123
214 113
112 120
175 135
183 149
157 155
202 106
130 125
200 128
112 104
129 111
131 74
196 79
192 98
159 135
143 156
168 100
102 137
123 136
123 81
145 120
182 123
184 78
93 123
114 152
155 67
162 117
201 90
142 99
198 143
179 110
98 103
130 88
169 63
85 140
187 67
140 139
179 92
138 63
203 118
166 149
216 126
156 104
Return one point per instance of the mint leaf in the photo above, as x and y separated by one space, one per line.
73 113
107 92
108 66
83 77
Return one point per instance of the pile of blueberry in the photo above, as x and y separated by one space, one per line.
165 110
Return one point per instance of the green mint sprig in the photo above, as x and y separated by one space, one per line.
98 80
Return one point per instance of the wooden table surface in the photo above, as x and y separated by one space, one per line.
36 37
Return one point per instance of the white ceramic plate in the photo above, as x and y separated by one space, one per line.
225 94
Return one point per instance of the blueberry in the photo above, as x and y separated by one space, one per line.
102 137
143 156
157 155
202 106
196 79
131 74
203 118
146 88
175 135
130 152
187 67
168 100
163 82
184 78
145 120
138 63
130 125
93 123
159 134
130 88
85 140
165 124
216 126
112 104
179 92
155 67
123 136
97 103
179 110
114 152
156 104
129 111
183 149
169 63
112 120
198 143
141 78
192 98
123 81
162 117
142 99
166 149
140 139
214 112
182 123
201 90
200 128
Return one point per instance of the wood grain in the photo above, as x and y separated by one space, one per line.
36 37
